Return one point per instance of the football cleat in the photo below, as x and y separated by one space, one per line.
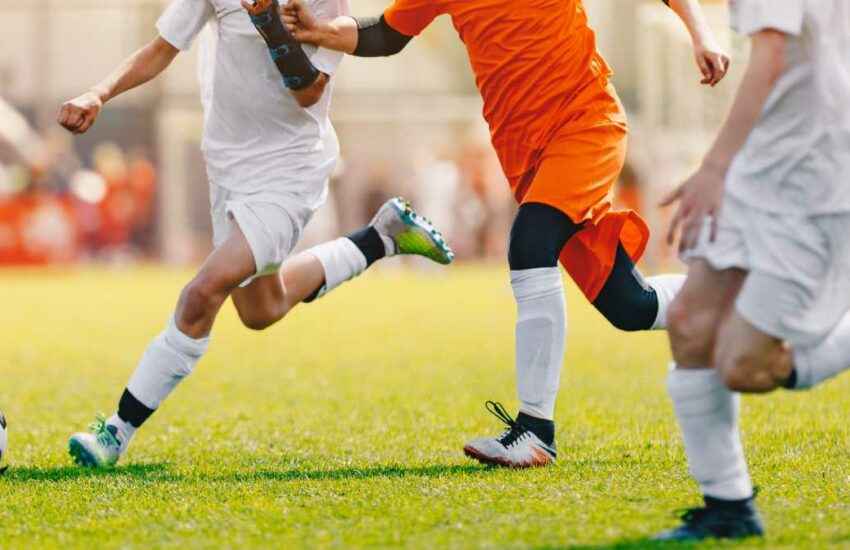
517 447
713 522
97 448
411 233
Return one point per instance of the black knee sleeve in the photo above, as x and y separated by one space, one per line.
538 234
626 300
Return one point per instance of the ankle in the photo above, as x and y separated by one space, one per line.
541 427
733 505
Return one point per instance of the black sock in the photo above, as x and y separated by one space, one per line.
370 244
743 505
791 383
133 411
544 429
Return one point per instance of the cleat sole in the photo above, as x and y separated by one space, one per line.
541 459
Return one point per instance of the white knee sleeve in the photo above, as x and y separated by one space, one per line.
540 335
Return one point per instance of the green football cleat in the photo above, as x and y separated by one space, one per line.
98 448
411 233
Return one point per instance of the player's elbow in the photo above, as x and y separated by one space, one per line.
311 95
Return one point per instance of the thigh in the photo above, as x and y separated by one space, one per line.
538 234
578 171
230 263
696 313
708 292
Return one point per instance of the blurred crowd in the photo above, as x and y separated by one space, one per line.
60 205
57 207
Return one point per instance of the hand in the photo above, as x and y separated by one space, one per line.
699 197
712 61
256 7
78 114
301 22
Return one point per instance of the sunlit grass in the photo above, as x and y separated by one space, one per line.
343 426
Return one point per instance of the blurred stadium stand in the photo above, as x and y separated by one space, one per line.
409 124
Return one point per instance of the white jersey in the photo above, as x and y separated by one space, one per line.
256 136
797 158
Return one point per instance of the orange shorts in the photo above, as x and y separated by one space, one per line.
576 174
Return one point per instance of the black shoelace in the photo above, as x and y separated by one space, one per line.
515 429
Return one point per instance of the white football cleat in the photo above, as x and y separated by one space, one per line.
410 232
517 447
97 448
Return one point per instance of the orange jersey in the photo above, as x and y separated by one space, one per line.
534 61
556 122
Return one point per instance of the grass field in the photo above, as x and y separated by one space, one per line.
342 426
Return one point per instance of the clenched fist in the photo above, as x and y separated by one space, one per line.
78 114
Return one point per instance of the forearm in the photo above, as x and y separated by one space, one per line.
766 65
693 17
339 34
139 68
362 36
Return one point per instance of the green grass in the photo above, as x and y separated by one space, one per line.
343 426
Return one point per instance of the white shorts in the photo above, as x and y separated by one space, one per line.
272 221
798 285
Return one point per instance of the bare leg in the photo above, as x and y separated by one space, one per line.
748 359
269 299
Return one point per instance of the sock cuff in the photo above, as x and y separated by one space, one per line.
802 368
182 343
530 284
666 288
369 242
341 260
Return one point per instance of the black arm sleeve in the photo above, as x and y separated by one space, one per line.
375 38
296 68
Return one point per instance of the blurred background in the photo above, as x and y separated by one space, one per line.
134 188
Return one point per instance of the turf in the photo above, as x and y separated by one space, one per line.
342 427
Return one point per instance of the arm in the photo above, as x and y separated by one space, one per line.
712 61
701 195
363 37
305 82
78 114
766 65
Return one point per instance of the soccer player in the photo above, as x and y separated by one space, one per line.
560 133
269 148
764 226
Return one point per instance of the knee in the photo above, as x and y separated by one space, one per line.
630 312
262 317
525 253
538 234
746 372
202 294
690 337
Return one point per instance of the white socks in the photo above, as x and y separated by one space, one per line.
125 430
708 416
825 360
666 287
540 335
170 358
341 260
